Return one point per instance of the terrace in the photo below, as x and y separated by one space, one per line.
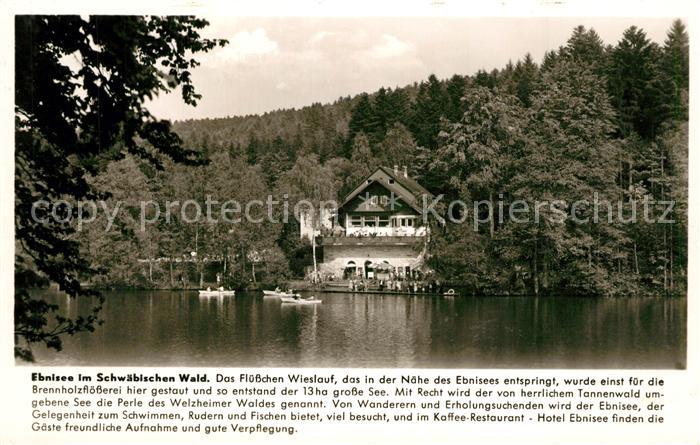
371 240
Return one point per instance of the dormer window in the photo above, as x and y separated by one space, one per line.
391 180
374 200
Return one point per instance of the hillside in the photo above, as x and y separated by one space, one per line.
591 122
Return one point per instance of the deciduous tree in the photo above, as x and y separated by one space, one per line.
69 116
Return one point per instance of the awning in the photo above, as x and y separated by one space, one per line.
381 266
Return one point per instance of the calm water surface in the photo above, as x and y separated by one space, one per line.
178 329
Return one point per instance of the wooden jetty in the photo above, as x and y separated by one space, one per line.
343 289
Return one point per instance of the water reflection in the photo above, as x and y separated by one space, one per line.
346 330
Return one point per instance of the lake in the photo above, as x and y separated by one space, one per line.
164 328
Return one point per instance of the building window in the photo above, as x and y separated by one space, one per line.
402 221
383 221
374 200
384 200
355 221
370 221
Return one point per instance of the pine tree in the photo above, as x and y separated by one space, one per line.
484 79
428 110
549 60
382 116
455 92
636 84
399 106
253 150
525 78
506 78
676 68
362 120
586 48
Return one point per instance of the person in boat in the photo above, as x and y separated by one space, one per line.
221 288
278 290
209 289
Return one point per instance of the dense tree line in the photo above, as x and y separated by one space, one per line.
609 122
590 120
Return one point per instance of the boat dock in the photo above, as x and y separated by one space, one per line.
338 289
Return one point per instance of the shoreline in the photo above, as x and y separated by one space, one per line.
342 290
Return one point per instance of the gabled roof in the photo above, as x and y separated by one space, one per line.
410 191
408 182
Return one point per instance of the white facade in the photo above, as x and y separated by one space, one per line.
380 233
357 258
396 225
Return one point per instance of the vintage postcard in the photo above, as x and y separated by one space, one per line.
349 223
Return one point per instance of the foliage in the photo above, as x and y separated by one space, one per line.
637 89
71 119
589 120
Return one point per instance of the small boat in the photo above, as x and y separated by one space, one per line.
217 293
275 293
297 300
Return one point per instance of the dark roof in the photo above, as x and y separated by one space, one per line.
415 189
408 182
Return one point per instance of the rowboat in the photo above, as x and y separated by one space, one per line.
274 293
292 300
217 293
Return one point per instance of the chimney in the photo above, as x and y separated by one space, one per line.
396 169
405 172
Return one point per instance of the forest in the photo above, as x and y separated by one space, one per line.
590 119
